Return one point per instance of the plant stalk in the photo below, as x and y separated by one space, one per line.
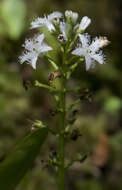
61 140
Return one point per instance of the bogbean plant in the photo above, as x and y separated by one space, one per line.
75 48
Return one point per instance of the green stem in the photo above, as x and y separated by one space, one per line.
61 169
61 139
38 84
72 42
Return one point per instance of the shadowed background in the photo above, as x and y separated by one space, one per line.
99 113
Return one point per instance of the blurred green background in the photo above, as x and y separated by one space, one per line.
99 120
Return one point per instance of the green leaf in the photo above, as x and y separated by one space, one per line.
13 14
21 159
112 104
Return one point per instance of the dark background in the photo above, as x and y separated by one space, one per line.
99 120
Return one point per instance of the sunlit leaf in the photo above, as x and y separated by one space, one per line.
21 159
13 14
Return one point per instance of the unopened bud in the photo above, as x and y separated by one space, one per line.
85 22
71 15
104 41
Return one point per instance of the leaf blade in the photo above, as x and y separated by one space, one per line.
21 159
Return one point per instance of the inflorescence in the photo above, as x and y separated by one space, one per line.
67 31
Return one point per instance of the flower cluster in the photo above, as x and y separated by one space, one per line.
34 47
67 32
92 51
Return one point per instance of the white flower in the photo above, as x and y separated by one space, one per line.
40 22
85 22
46 21
63 29
34 47
54 15
92 51
72 15
99 43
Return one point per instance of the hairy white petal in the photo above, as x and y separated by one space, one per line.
85 22
63 29
54 15
46 21
40 38
89 62
98 43
79 51
28 44
23 58
40 22
30 58
99 57
49 25
45 48
85 40
95 45
33 62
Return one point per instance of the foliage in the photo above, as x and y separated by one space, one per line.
12 17
21 159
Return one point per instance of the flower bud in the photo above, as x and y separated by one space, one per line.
71 15
85 22
103 42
